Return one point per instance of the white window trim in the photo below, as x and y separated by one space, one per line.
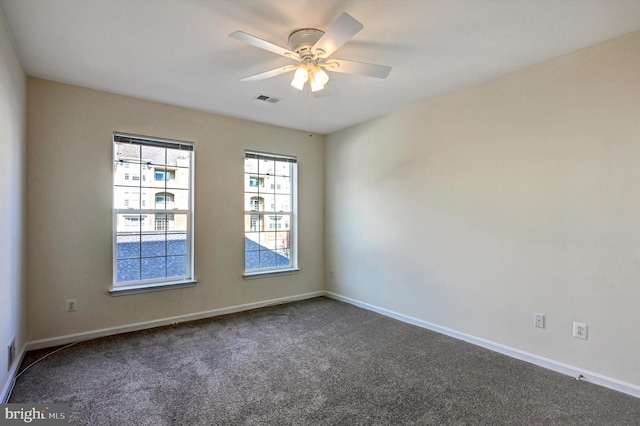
294 267
156 284
144 288
269 273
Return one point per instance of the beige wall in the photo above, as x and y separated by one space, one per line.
13 92
471 211
69 218
520 195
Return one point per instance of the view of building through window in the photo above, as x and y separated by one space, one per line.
152 210
270 242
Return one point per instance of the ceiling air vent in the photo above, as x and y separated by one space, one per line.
268 99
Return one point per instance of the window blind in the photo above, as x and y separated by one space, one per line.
271 157
144 140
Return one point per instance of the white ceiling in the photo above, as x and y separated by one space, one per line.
178 51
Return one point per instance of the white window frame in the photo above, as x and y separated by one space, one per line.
263 215
142 285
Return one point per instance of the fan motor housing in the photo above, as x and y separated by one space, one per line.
301 41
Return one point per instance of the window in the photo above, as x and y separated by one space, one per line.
257 203
164 223
275 222
270 234
134 221
164 174
153 232
253 223
256 181
165 200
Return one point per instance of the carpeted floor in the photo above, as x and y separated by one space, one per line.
315 362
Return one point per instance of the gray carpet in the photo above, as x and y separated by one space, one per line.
315 362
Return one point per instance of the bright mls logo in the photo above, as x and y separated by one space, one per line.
36 414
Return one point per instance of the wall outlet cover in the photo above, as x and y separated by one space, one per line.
538 320
580 330
72 305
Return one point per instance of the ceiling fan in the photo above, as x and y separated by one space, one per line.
311 48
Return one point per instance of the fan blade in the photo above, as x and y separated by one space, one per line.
338 34
269 74
359 68
265 45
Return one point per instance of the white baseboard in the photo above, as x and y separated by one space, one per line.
8 387
550 364
77 337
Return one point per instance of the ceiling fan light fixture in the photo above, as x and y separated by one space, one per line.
312 48
315 86
300 77
318 78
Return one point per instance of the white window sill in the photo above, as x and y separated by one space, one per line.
145 288
265 274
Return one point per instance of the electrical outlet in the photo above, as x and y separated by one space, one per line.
333 275
580 330
538 320
71 304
